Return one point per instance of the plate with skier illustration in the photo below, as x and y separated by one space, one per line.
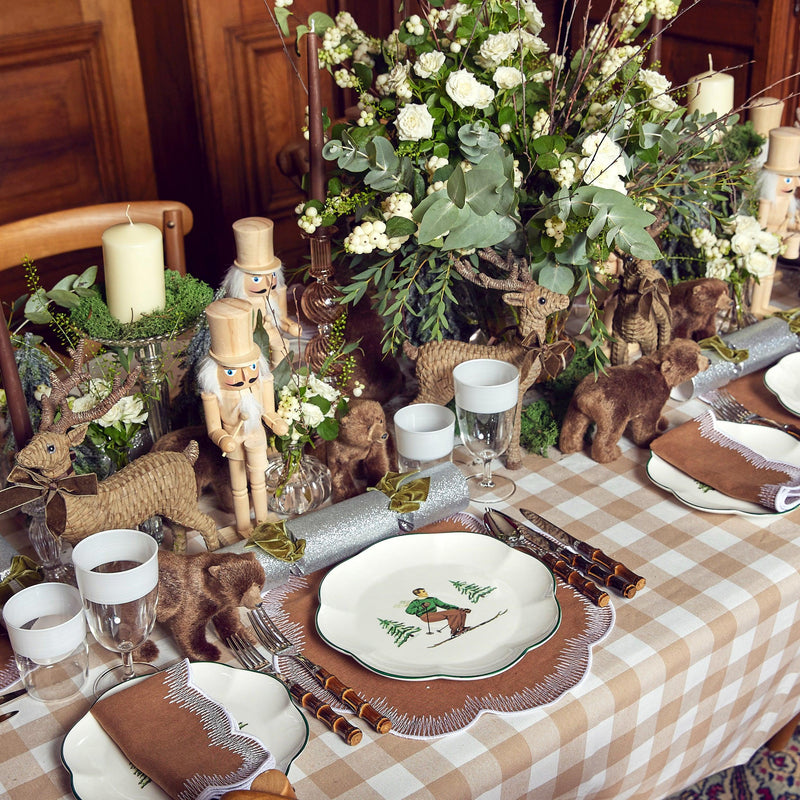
438 605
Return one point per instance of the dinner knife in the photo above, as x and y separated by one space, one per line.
8 715
504 528
591 569
7 698
592 553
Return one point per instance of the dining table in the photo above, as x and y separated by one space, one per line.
689 676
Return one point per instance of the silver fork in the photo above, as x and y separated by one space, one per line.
250 658
728 408
271 637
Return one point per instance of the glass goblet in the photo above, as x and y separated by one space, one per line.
117 574
486 397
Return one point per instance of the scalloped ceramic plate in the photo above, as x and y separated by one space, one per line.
783 380
99 771
364 606
767 442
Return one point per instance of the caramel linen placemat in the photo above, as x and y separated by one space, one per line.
707 455
540 677
180 738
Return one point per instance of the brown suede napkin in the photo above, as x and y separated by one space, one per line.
701 450
180 738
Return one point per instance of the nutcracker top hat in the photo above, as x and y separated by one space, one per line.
230 321
784 151
254 251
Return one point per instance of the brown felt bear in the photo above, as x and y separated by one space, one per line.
362 453
628 396
694 305
197 588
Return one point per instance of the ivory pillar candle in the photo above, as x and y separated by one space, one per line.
315 133
133 262
710 92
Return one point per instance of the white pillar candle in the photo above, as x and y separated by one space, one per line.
710 92
133 262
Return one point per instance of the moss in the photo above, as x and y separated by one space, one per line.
186 298
538 429
541 420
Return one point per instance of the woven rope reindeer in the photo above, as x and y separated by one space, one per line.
527 350
160 483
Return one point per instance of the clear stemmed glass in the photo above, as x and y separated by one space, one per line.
486 395
117 574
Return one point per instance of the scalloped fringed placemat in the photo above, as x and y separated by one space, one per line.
541 677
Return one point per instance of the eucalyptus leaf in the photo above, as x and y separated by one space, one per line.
64 298
558 279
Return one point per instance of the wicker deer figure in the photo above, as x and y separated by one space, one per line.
435 360
156 483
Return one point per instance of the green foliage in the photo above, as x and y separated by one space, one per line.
541 420
186 299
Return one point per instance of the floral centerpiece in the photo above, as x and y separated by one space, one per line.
311 403
114 435
472 132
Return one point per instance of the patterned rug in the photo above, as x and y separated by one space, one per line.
766 776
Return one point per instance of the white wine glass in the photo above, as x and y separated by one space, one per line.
117 575
486 396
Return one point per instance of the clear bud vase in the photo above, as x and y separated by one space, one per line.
48 548
297 483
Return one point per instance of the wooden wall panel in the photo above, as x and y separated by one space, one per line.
58 132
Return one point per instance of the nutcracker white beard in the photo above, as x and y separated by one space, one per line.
250 411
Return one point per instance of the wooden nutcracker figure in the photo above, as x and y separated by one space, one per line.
257 276
238 398
777 206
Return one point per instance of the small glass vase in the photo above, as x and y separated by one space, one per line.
297 483
738 315
50 551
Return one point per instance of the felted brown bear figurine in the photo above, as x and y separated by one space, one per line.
694 306
193 589
362 453
628 396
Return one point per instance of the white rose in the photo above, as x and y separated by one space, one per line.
743 244
414 122
533 16
768 242
485 96
498 47
312 415
463 88
82 403
429 64
760 264
507 77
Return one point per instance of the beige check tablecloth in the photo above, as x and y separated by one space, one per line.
701 667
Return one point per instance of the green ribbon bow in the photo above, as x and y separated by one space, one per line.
792 317
24 571
275 540
724 351
404 497
30 485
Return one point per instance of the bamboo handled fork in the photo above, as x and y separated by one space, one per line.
250 658
271 637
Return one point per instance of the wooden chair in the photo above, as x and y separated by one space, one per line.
81 228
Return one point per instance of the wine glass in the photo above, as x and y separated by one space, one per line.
117 574
486 395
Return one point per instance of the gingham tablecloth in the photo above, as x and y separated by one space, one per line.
701 667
